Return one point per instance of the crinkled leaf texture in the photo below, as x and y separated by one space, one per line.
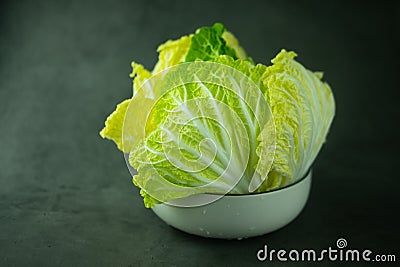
189 132
302 106
208 43
172 53
114 124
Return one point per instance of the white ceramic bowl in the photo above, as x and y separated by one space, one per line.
240 216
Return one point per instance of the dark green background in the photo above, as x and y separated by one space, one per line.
66 197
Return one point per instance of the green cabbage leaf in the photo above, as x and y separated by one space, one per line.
263 130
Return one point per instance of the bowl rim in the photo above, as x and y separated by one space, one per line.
273 190
252 195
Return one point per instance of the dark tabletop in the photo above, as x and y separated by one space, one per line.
66 197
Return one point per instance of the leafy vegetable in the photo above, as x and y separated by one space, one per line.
208 43
219 123
114 124
172 53
196 136
303 108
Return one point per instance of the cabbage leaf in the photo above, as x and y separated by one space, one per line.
177 157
